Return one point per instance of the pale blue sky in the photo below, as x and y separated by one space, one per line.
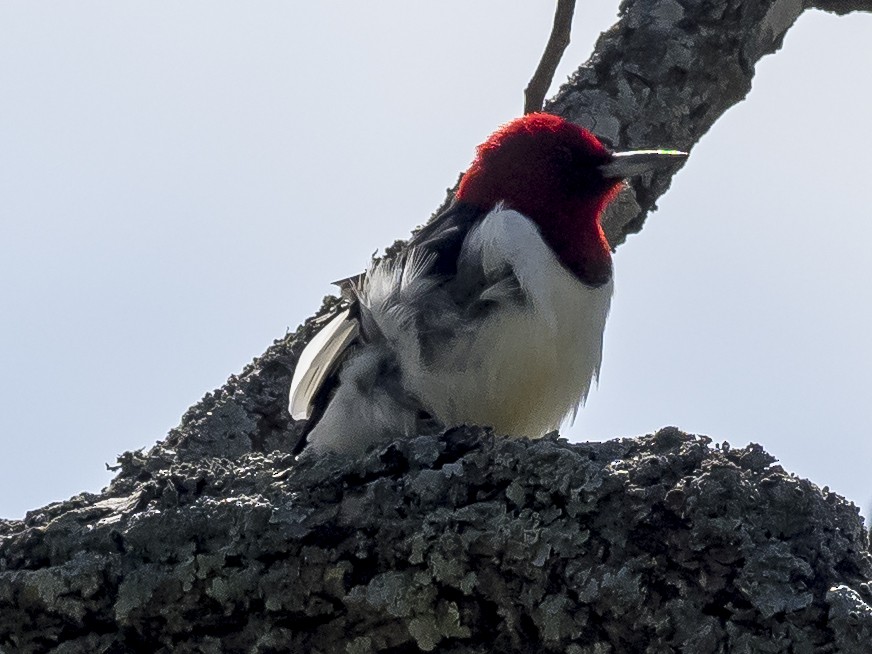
179 182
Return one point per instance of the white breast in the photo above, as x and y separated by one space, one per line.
524 369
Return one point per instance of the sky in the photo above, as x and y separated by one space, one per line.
179 182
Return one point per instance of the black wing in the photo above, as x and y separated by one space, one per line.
444 235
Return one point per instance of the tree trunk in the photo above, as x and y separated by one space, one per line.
219 540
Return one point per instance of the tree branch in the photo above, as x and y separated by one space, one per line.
534 94
216 541
840 7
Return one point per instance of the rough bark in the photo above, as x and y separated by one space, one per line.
458 543
217 540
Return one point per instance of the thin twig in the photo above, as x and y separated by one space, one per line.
534 94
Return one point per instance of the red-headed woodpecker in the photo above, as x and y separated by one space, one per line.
494 313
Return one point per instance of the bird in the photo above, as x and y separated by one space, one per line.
492 315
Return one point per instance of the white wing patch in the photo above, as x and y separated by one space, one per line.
317 361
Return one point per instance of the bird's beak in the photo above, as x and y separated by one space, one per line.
636 162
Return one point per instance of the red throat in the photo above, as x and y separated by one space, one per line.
578 240
548 170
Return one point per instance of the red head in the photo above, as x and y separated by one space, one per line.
549 170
